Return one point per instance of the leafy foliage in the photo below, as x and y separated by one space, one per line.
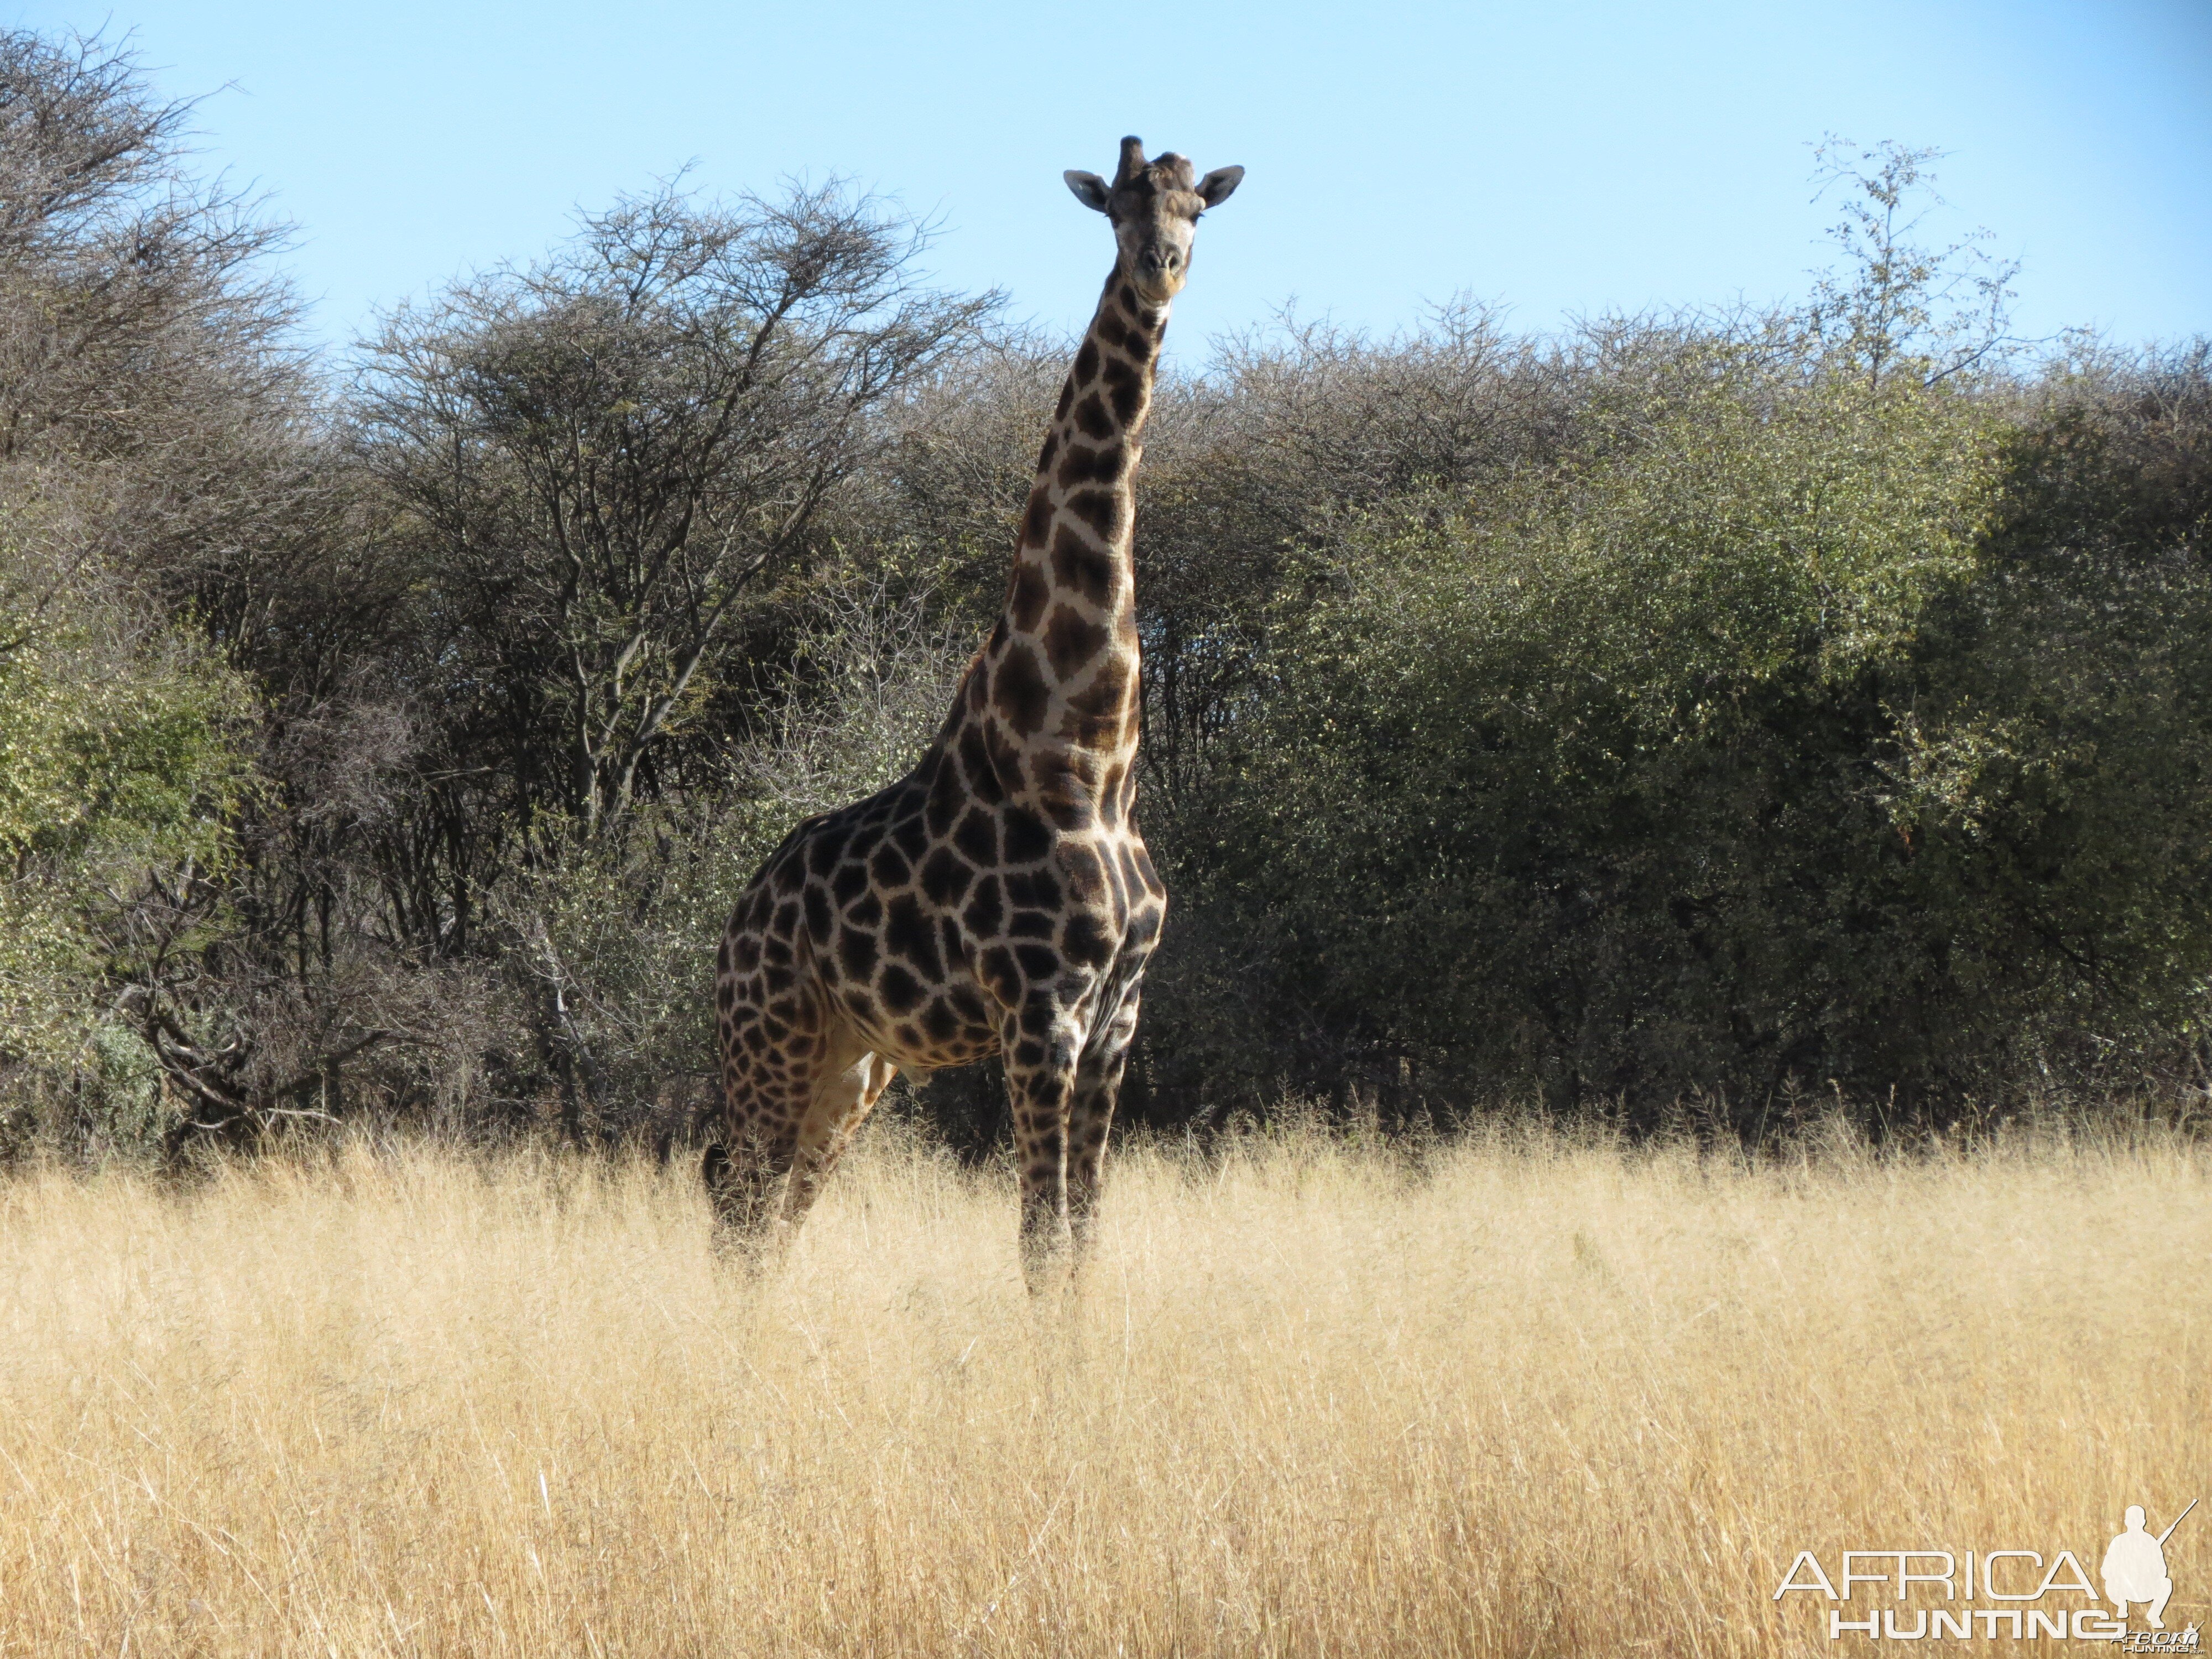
122 766
1590 775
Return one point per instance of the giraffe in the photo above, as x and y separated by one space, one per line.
998 899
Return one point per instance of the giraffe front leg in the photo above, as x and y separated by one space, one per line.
1042 1046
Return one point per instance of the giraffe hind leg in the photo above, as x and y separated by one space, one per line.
841 1103
790 1123
741 1170
765 1098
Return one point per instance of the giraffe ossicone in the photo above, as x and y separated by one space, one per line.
998 899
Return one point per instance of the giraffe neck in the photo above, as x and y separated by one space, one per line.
1063 661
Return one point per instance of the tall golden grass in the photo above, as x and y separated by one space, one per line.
1520 1395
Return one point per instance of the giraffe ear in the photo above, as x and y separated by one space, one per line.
1090 189
1215 189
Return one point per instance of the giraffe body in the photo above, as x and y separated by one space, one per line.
999 898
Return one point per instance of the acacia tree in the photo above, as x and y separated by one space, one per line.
152 427
1900 305
601 454
133 296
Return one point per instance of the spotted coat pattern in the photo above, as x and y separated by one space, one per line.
999 898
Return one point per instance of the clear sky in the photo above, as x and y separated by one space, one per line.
1556 156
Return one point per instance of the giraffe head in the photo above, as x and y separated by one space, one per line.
1154 206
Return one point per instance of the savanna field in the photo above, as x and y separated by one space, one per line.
1519 1393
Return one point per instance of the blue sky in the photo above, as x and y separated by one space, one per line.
1556 156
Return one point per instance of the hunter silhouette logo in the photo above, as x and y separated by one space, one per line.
2031 1597
2135 1568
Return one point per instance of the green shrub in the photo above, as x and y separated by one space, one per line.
122 765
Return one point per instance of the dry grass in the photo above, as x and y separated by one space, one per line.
1529 1396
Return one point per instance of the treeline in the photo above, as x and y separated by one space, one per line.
1738 710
